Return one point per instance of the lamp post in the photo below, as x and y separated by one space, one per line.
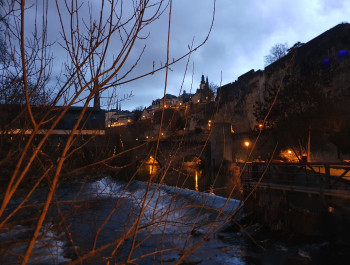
246 144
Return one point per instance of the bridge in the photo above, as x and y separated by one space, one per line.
307 198
328 179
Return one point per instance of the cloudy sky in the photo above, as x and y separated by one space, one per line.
243 33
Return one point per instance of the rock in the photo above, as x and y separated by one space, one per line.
169 260
241 252
195 233
191 260
224 238
304 254
227 249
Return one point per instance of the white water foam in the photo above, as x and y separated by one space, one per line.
167 209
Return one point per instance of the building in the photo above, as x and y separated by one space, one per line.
147 114
317 75
204 94
171 101
119 117
14 120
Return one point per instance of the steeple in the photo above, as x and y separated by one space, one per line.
207 83
202 83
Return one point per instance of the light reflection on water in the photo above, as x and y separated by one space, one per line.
176 213
225 246
149 168
191 167
175 230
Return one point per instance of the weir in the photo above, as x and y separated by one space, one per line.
303 198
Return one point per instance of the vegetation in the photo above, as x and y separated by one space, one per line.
138 112
302 110
35 162
276 52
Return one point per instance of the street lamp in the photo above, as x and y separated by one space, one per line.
246 144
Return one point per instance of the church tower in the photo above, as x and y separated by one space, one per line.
202 85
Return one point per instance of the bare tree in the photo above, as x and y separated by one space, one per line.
276 52
25 65
137 112
98 38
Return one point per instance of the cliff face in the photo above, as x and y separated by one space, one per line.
323 63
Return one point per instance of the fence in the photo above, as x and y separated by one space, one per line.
332 179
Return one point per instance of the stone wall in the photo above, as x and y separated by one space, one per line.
328 53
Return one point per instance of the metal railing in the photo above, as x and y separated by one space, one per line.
331 179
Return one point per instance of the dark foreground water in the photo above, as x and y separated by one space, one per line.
96 215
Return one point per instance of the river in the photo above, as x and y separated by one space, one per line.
174 222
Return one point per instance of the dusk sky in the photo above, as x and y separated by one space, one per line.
243 33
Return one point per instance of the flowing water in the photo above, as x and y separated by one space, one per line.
173 221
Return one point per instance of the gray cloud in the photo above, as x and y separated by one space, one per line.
243 33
